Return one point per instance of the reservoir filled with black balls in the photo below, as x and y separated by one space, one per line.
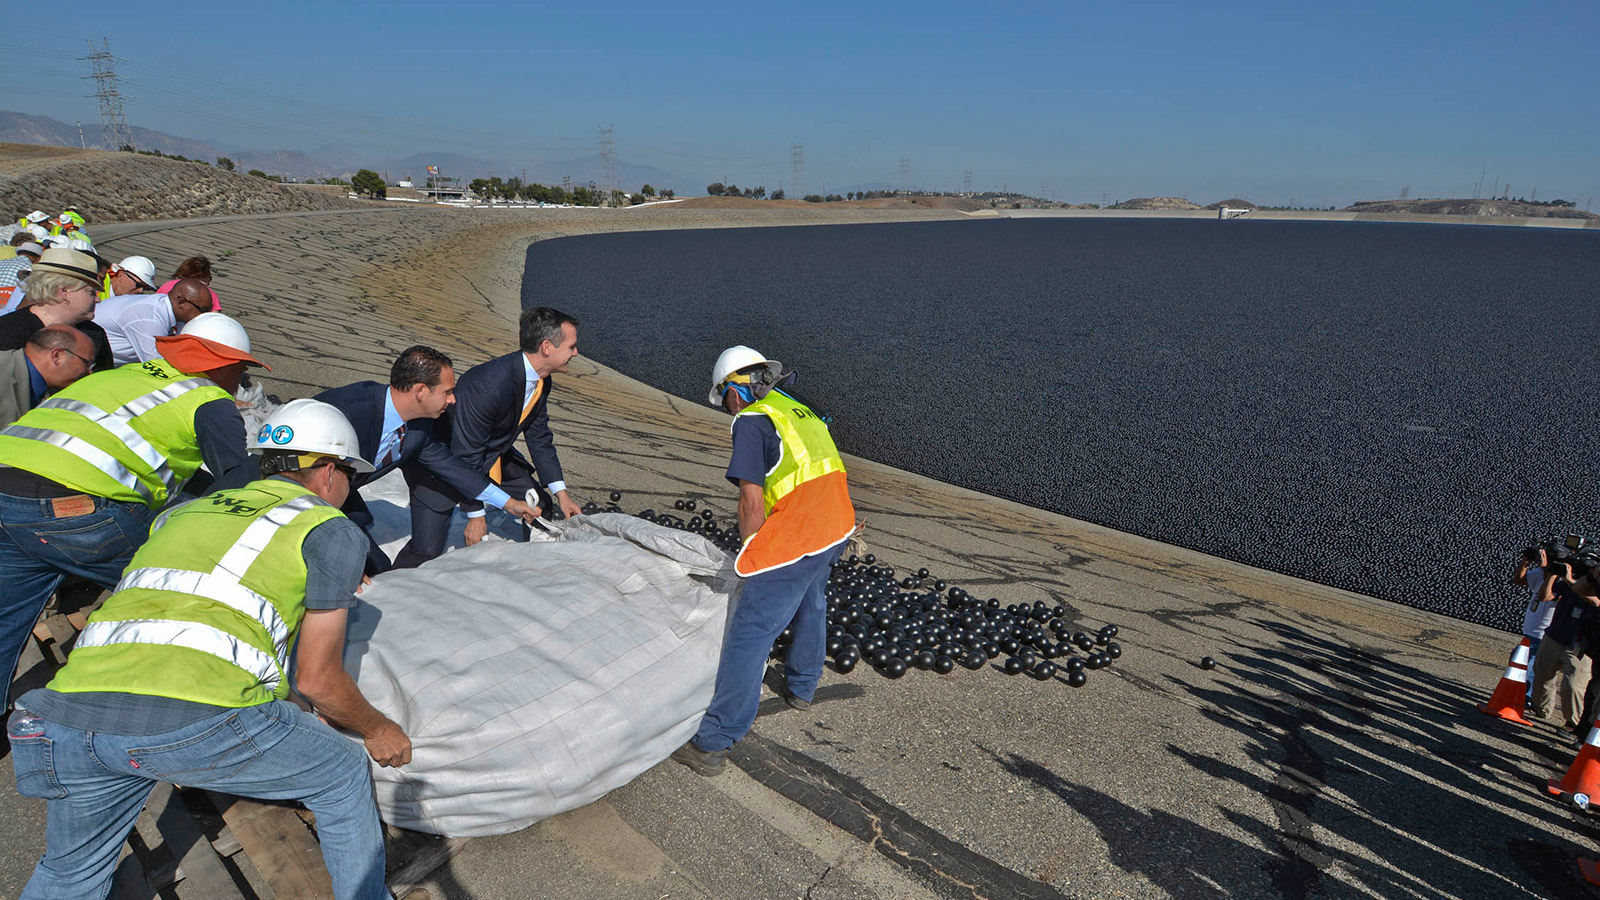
1392 409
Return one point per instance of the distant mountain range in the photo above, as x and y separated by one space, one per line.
21 128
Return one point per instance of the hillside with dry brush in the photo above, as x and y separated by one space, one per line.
127 187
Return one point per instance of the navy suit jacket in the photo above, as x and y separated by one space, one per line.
364 403
483 426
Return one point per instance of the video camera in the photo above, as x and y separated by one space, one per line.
1558 547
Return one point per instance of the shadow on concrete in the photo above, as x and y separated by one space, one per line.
1378 774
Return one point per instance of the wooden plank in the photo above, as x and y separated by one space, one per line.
432 855
63 633
199 866
280 845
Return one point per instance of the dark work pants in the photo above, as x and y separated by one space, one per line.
433 501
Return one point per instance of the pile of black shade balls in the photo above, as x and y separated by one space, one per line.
920 622
901 622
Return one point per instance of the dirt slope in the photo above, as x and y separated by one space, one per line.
125 187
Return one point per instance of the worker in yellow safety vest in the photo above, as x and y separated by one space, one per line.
795 516
184 673
83 473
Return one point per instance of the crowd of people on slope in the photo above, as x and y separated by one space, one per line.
232 558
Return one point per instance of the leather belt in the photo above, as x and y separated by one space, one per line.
65 502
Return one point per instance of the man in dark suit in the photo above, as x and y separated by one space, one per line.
395 424
495 402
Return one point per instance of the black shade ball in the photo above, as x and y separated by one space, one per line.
1114 650
943 665
1077 678
895 667
1013 666
844 663
1207 663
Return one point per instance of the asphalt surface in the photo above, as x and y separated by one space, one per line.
1334 752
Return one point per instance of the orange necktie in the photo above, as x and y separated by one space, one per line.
538 391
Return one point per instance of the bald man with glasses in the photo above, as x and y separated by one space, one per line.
134 321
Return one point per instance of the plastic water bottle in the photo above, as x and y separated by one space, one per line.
24 724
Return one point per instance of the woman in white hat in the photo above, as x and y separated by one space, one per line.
61 291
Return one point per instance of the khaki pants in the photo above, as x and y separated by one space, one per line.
1559 673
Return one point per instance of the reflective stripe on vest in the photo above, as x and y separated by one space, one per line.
118 424
191 635
220 585
87 452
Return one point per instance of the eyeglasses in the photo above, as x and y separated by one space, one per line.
349 471
87 363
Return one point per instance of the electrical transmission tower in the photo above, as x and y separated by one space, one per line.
114 129
1405 192
966 182
608 159
799 153
905 174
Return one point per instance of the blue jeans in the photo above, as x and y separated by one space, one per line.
769 602
38 550
95 785
1533 650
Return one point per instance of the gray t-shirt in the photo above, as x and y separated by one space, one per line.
335 553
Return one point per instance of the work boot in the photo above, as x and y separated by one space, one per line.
708 763
794 701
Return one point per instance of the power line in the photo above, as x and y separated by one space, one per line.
113 125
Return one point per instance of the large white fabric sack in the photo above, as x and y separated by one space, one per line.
534 678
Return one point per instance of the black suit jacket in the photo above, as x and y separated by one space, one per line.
483 424
364 404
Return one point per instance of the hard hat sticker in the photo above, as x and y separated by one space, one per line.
283 434
264 434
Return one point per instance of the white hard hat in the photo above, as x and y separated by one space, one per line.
222 334
732 360
38 216
142 269
39 234
80 245
311 426
59 241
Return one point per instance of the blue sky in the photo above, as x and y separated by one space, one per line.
1272 101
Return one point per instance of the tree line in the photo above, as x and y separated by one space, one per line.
497 188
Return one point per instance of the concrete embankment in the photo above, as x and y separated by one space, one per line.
1334 751
1304 215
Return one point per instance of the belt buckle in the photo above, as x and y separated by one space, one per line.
68 507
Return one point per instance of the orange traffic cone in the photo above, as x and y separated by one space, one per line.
1584 776
1591 871
1512 693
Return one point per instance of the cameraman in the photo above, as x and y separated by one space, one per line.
1536 616
1561 668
